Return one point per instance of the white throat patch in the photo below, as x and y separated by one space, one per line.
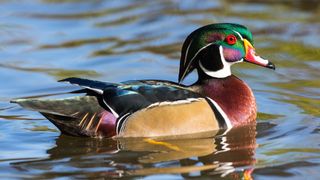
222 73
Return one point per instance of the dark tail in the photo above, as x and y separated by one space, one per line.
78 116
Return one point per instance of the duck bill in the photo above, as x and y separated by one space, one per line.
253 58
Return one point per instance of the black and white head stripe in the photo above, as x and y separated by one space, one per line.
238 34
222 118
187 51
221 73
187 69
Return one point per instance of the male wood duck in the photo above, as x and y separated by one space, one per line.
149 108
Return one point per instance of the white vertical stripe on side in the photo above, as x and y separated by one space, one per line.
223 114
124 123
119 121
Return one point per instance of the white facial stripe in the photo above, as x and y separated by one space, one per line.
222 73
194 58
238 34
187 51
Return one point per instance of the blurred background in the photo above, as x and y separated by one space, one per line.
42 41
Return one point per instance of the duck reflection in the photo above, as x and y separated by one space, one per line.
212 154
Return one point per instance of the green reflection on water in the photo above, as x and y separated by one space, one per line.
77 43
85 15
296 49
56 72
265 116
291 150
43 128
308 105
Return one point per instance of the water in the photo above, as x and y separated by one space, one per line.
44 41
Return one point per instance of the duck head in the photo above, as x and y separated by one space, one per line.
212 50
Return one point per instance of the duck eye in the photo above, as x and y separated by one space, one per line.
231 39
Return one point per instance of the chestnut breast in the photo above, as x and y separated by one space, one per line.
234 96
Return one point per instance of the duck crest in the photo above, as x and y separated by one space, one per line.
234 97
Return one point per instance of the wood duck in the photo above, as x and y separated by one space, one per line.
151 108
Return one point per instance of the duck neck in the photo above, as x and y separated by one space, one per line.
233 96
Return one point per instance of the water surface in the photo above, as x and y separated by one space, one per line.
47 40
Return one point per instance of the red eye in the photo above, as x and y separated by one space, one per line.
231 39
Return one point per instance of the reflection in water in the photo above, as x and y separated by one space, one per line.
210 156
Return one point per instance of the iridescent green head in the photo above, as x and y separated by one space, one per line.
212 49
